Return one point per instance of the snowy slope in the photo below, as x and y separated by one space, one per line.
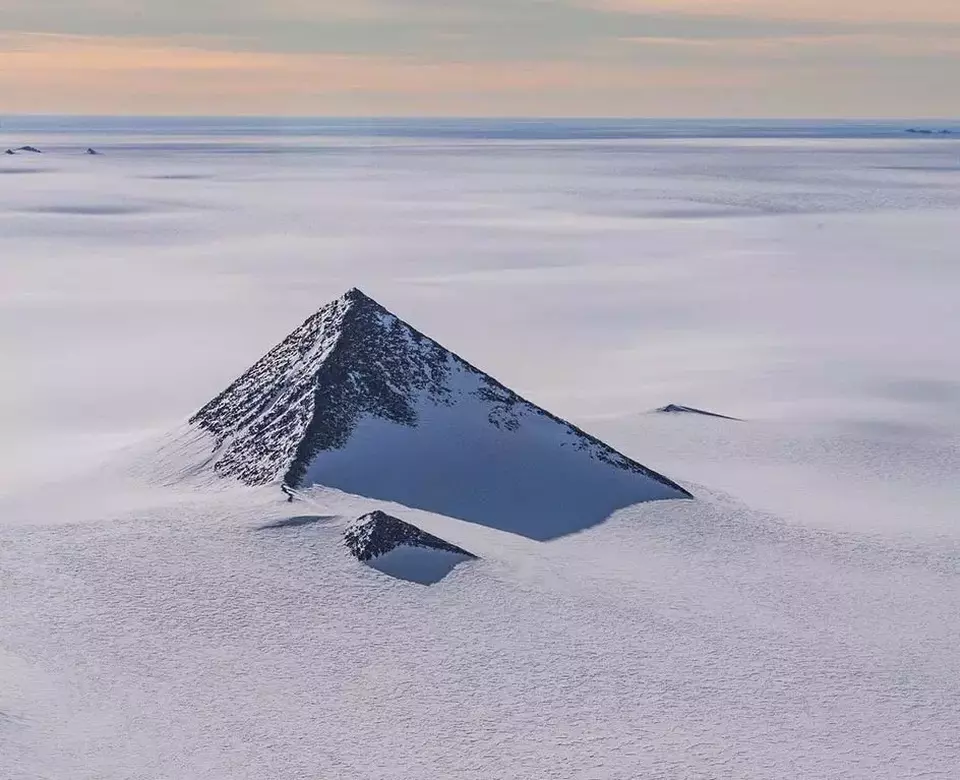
356 399
690 638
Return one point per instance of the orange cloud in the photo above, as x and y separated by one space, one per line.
851 44
831 75
58 73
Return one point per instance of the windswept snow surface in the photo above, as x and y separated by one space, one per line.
799 619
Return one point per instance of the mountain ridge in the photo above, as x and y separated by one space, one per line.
333 359
358 400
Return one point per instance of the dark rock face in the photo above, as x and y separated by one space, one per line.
92 151
678 409
9 151
379 367
378 533
32 149
352 360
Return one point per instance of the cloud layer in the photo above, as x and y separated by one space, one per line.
539 57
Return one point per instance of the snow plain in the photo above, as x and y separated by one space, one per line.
800 619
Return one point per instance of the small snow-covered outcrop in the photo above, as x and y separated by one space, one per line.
32 149
678 409
402 550
358 400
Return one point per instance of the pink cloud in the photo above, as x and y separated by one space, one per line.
861 11
40 73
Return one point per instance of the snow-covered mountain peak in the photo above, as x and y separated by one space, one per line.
359 400
350 359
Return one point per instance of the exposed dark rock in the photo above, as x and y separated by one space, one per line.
378 533
29 149
9 151
92 151
678 409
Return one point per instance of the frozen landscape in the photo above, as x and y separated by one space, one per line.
677 497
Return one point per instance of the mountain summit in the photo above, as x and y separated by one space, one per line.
358 400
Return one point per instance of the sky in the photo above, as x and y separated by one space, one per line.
643 58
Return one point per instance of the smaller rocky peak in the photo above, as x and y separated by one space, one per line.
92 151
9 151
400 550
32 149
680 409
378 533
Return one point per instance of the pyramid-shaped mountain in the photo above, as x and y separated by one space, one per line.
356 399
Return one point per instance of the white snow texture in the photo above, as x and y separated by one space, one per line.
799 618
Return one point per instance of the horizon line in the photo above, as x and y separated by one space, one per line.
487 117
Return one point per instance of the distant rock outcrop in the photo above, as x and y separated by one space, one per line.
402 550
678 409
9 151
32 149
92 151
358 400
